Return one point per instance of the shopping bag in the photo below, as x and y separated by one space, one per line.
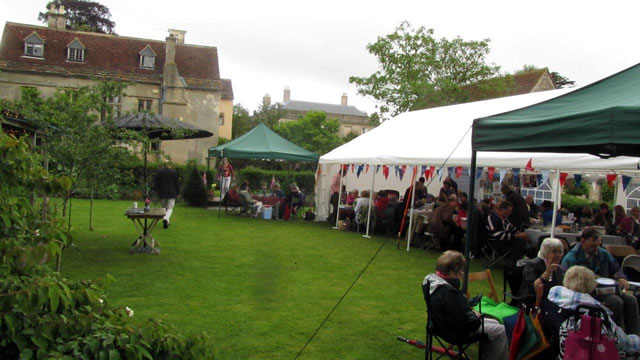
588 342
529 340
496 311
516 337
543 344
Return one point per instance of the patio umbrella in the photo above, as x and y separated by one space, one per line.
159 127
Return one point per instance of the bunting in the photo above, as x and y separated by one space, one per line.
490 172
366 169
401 171
539 179
478 172
545 176
345 168
578 179
563 178
450 171
359 170
458 171
377 168
529 166
610 178
440 173
432 171
424 171
385 171
353 168
503 173
625 181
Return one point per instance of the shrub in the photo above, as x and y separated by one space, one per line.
193 190
606 192
258 177
571 188
575 204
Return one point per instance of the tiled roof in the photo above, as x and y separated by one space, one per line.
108 56
525 82
297 105
227 89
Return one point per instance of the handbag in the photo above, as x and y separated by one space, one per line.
588 343
544 342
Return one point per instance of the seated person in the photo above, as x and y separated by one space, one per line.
295 199
624 224
251 205
543 270
533 208
277 191
351 198
589 253
449 187
603 217
231 197
362 202
463 205
547 213
451 312
421 189
578 283
447 234
381 201
503 234
586 217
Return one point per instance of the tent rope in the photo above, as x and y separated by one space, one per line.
449 156
342 298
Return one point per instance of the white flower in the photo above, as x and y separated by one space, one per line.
37 232
101 301
129 311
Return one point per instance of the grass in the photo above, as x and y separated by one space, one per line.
260 288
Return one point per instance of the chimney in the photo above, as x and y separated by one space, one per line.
266 100
178 34
287 95
170 50
56 18
343 99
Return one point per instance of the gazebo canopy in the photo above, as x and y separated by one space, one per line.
601 119
262 143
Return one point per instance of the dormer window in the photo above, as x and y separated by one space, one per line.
75 51
147 58
34 46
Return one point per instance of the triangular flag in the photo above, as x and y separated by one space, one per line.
478 172
490 172
625 181
395 170
529 166
545 176
432 171
578 179
450 171
458 171
404 169
401 171
377 168
440 173
359 170
563 178
539 178
366 169
610 178
503 173
353 168
345 168
385 171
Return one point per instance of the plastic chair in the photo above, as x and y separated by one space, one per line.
433 332
620 251
485 276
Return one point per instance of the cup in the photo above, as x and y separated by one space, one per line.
135 204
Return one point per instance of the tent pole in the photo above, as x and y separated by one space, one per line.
371 204
339 197
470 214
413 201
556 191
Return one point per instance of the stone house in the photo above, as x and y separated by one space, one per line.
166 77
351 119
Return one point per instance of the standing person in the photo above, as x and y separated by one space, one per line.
533 208
168 189
520 215
334 199
225 173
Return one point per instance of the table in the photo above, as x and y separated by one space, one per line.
572 238
145 222
268 200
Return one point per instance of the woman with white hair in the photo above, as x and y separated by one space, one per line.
579 282
544 270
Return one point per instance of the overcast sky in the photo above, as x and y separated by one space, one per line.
313 47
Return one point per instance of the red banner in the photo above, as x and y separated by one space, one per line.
563 178
490 172
458 171
611 178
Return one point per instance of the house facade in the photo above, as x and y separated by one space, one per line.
351 119
165 77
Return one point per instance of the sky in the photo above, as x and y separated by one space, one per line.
314 47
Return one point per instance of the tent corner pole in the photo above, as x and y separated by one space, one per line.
413 201
339 197
371 204
556 192
470 215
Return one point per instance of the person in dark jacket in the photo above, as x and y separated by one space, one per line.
168 189
520 215
451 313
503 234
544 270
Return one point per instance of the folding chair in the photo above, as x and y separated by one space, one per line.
449 345
631 267
494 252
485 276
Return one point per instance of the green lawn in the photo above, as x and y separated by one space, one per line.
260 288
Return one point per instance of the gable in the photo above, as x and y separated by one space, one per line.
76 44
34 39
147 51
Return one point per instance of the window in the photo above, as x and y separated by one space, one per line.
147 58
34 46
221 120
76 55
144 104
75 51
114 103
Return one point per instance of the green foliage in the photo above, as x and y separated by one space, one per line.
193 190
84 15
575 204
260 179
561 81
417 71
43 315
313 132
571 188
242 122
606 192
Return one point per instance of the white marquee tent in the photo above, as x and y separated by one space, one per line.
442 137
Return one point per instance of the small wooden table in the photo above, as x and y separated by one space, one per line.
145 222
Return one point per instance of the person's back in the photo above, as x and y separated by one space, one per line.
167 183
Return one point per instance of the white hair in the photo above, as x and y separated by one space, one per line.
550 244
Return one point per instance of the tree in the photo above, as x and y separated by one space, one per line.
418 71
270 115
313 132
242 122
561 81
84 15
194 191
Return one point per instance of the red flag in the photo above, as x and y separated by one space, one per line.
404 170
353 168
432 171
458 171
490 172
563 178
385 171
366 168
345 168
610 178
529 166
